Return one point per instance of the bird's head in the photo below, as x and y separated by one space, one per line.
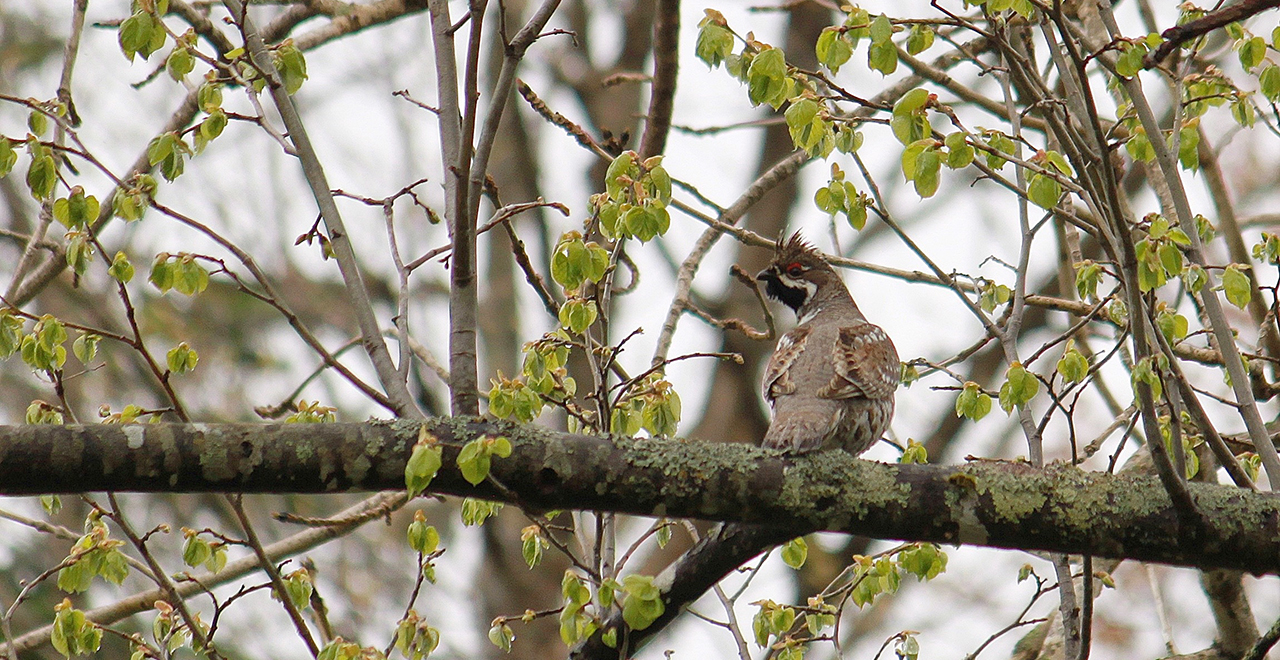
798 276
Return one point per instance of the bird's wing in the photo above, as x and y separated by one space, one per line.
866 364
777 380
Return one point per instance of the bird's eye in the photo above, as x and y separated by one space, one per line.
795 270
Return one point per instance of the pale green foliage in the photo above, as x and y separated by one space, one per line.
1019 387
973 403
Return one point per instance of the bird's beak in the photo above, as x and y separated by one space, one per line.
764 275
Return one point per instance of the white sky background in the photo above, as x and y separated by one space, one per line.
373 144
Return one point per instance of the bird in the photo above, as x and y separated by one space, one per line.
830 382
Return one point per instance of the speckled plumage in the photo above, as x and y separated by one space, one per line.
831 380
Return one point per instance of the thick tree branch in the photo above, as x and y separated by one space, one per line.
998 504
662 91
1180 34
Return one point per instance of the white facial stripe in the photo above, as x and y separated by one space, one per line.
792 283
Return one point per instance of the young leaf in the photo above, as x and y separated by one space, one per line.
1236 285
1019 387
973 403
423 464
1073 366
715 41
1043 191
794 552
833 49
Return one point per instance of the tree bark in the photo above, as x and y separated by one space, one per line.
995 504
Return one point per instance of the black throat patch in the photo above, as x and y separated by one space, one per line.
789 296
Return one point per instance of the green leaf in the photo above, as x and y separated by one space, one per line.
911 154
1242 110
664 533
999 142
795 552
715 41
423 538
1139 146
883 57
924 560
501 636
163 272
1170 258
1194 278
1088 275
805 124
830 199
1172 325
1129 61
1018 389
959 151
38 122
833 49
423 464
8 156
916 453
10 333
622 171
662 417
1189 145
195 550
973 403
182 358
767 78
913 100
209 96
76 210
1043 191
1059 162
881 29
609 587
291 64
1252 51
910 121
643 603
79 252
167 151
574 592
848 140
577 315
42 176
72 634
532 544
211 128
138 35
85 346
855 208
180 62
1073 366
190 278
1236 285
928 164
1269 84
1145 372
993 295
920 39
475 512
75 578
474 462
